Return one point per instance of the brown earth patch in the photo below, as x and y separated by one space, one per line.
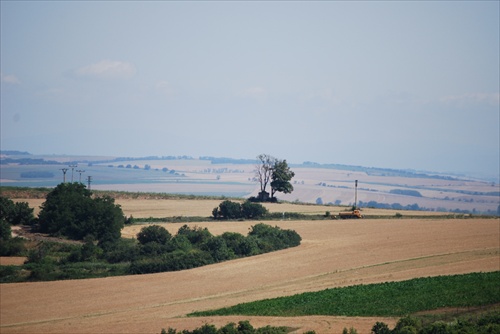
12 260
332 254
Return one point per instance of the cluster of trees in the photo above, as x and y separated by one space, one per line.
406 192
13 214
154 250
157 250
235 210
273 172
70 210
487 323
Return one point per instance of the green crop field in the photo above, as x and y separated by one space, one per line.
386 299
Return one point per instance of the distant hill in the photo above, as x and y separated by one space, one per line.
6 152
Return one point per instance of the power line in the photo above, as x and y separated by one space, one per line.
80 171
89 180
72 169
64 170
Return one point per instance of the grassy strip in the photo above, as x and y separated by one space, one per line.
385 299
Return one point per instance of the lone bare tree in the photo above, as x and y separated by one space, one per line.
263 173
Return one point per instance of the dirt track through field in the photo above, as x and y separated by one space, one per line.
332 254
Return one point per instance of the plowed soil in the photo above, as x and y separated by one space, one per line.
332 254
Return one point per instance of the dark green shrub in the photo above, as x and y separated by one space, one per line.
90 251
407 324
121 250
154 233
12 247
381 328
230 328
248 247
181 260
240 245
245 327
179 242
218 249
174 261
23 214
228 210
9 274
270 238
234 210
15 213
253 210
206 329
153 248
5 230
6 208
195 235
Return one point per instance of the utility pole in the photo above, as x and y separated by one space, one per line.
72 169
89 180
80 171
355 194
64 170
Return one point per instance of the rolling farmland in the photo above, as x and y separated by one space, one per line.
332 254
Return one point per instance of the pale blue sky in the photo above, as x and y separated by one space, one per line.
383 84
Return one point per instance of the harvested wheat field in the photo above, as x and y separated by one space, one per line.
332 254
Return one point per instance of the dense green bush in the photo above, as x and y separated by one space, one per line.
155 250
195 235
218 249
174 261
228 210
251 210
154 233
270 238
196 246
9 246
233 210
69 210
18 213
12 246
488 322
120 250
5 230
241 245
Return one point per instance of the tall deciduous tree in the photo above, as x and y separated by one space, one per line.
281 176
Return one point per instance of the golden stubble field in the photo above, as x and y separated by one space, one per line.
332 254
159 208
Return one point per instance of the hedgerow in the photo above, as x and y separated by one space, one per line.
194 247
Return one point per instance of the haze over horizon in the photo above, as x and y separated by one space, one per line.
403 85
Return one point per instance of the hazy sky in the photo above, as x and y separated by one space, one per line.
394 84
